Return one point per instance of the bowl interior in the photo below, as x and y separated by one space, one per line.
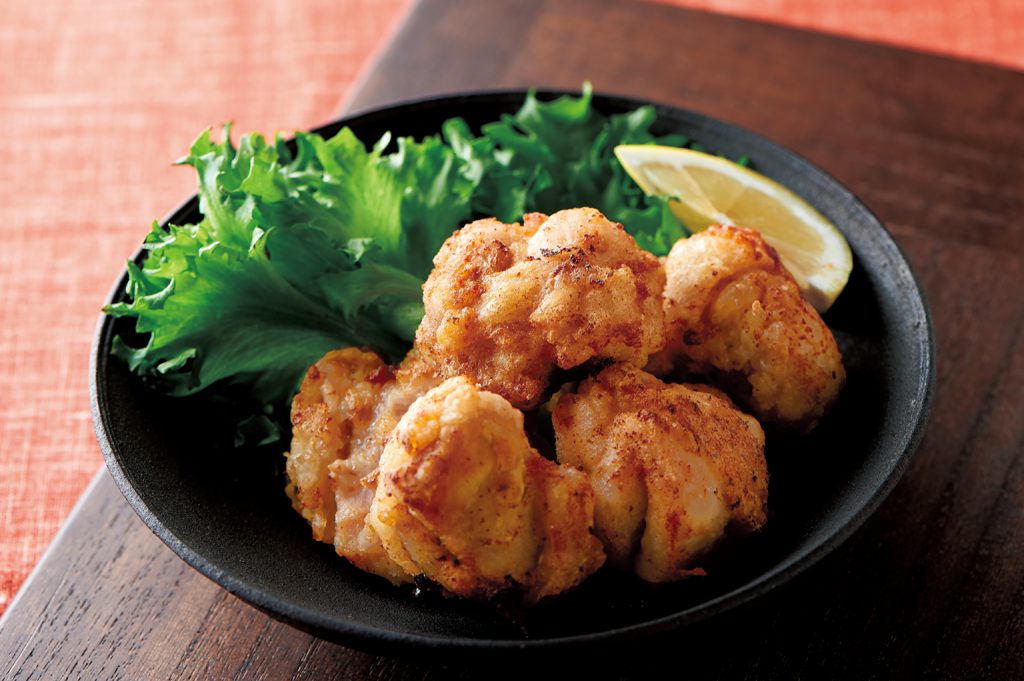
225 512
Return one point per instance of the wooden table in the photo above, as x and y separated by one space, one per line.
931 586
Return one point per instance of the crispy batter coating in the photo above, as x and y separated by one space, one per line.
735 314
463 499
505 304
672 468
344 412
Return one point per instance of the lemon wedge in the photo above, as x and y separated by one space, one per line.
710 190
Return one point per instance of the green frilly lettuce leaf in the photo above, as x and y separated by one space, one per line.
327 244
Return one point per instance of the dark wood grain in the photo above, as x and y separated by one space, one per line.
932 586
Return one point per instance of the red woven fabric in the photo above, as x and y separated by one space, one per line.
98 97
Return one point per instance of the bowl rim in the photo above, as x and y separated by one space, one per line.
383 640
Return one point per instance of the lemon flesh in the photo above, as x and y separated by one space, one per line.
709 190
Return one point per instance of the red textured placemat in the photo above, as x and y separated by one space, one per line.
97 99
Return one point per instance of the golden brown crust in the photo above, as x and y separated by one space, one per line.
505 304
344 412
335 399
463 499
735 314
410 476
671 468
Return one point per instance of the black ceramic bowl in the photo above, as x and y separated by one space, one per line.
225 512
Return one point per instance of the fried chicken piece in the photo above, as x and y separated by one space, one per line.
463 499
672 467
505 304
346 408
735 315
